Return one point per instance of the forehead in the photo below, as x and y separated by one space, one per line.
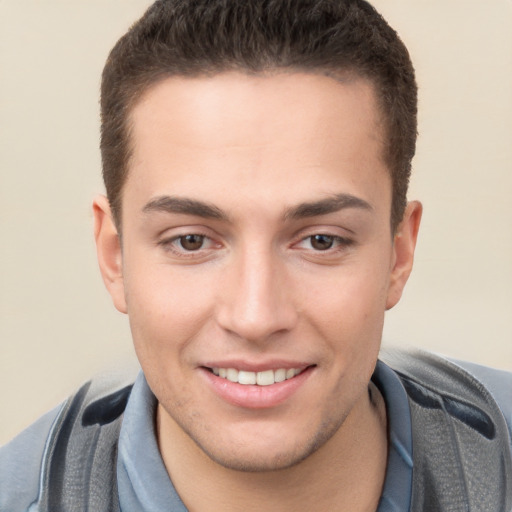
275 133
274 100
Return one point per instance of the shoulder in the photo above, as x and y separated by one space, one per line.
23 461
469 382
460 418
497 382
20 464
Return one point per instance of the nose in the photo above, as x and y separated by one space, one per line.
256 302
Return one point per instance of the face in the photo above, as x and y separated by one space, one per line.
257 259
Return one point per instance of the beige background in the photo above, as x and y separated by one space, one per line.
57 326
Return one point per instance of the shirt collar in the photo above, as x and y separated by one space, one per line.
145 486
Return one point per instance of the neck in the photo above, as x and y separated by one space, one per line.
345 474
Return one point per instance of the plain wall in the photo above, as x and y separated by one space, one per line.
57 324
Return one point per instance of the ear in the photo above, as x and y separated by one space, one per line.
403 252
108 249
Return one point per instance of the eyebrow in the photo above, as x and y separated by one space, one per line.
187 206
325 206
172 204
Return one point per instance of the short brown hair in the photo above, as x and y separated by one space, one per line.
206 37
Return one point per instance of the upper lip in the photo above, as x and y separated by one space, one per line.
260 366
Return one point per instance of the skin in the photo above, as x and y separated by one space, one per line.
256 167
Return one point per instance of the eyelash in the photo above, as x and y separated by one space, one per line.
170 244
338 244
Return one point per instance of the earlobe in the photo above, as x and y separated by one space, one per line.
403 252
108 249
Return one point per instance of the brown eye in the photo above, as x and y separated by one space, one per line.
322 242
191 242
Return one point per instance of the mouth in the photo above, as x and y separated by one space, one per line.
257 386
262 378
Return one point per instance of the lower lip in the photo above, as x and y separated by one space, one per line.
253 396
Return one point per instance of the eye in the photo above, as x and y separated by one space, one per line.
322 242
188 245
191 242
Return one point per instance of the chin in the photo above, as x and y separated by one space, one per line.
258 456
250 462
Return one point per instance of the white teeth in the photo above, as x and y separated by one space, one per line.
232 374
264 378
280 375
246 377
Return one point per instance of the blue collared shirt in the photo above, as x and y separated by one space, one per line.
139 462
144 484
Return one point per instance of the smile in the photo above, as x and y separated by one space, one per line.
252 389
264 378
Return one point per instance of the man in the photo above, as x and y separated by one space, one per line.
256 157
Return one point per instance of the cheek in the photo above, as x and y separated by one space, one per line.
349 315
166 308
353 300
